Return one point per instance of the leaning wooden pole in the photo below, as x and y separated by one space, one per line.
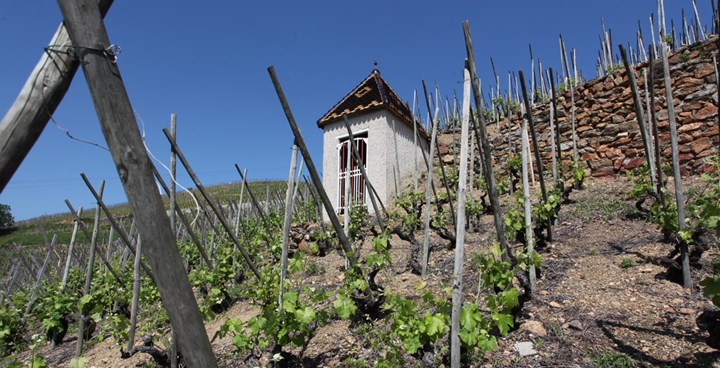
679 195
374 197
486 149
428 191
117 120
440 161
94 247
183 219
68 260
344 242
248 260
536 148
287 224
640 116
46 86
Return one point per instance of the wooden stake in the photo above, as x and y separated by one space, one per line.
89 270
344 242
86 28
21 126
286 224
137 282
66 271
457 296
497 211
428 189
440 161
93 246
679 195
371 189
640 116
560 182
175 208
248 260
526 197
536 148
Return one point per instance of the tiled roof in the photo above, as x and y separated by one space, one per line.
373 93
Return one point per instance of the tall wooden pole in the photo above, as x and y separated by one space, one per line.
137 284
428 190
68 261
640 116
117 120
457 295
486 150
89 272
536 148
679 195
248 260
287 223
344 242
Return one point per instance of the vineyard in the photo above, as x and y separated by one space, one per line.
512 247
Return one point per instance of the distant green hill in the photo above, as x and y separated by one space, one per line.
61 224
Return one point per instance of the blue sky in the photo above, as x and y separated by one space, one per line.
206 61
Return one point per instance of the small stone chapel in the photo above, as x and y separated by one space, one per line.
389 141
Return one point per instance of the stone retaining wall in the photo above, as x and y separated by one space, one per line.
609 139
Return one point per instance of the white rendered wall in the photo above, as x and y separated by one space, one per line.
381 154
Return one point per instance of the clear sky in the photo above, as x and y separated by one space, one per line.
206 61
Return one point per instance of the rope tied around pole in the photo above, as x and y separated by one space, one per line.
111 52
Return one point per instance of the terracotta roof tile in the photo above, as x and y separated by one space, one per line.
372 93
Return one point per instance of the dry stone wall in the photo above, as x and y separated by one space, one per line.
609 139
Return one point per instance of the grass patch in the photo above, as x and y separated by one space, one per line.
612 359
626 263
605 207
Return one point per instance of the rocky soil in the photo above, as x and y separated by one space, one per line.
603 295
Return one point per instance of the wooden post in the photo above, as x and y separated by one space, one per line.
679 195
428 189
346 190
440 161
560 182
93 246
527 204
653 117
254 202
571 83
536 148
487 153
40 274
287 223
457 296
212 205
89 271
175 207
86 28
640 116
123 236
66 271
135 297
21 126
344 242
